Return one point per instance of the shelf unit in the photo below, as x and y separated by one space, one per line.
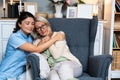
111 28
116 50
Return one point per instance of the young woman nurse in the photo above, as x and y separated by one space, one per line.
19 45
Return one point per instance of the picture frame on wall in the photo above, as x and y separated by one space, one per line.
85 11
30 7
71 12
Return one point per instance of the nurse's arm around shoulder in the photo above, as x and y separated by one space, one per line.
41 47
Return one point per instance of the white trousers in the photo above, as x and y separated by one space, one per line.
61 71
65 70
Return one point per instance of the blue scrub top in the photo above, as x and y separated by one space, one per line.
14 62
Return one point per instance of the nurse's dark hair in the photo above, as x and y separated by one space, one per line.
22 16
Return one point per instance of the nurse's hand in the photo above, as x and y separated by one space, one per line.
45 39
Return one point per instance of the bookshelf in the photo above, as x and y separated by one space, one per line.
112 35
116 38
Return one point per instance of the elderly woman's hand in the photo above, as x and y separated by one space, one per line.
60 36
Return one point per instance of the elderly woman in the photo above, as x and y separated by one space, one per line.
63 65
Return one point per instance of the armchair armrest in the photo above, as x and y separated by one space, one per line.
98 65
33 61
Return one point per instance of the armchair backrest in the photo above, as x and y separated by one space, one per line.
80 35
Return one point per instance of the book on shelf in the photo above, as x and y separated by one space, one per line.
116 61
117 6
118 2
115 10
116 40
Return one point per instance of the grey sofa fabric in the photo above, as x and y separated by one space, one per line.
98 65
80 36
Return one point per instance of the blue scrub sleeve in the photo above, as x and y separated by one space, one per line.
16 41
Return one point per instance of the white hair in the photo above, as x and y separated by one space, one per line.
42 19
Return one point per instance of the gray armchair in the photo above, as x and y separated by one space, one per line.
80 36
